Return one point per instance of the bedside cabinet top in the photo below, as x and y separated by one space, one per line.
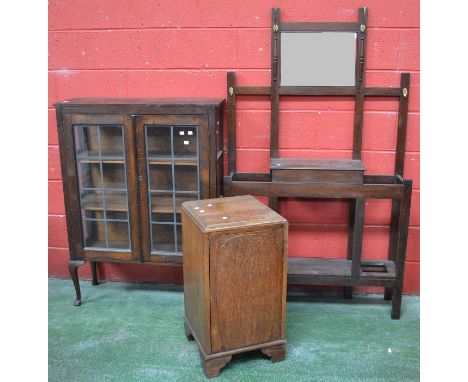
229 213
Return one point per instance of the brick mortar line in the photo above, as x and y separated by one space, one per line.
60 181
202 69
302 149
266 70
175 28
308 224
324 150
344 226
292 257
415 226
294 110
302 110
267 110
341 111
305 110
327 111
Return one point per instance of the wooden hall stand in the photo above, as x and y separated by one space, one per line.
331 178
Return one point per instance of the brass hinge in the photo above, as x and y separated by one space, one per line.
231 91
275 28
405 92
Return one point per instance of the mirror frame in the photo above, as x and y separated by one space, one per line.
360 28
357 92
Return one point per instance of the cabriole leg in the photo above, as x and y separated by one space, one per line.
94 273
73 269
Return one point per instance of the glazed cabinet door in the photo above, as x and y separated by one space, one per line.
99 153
246 288
173 167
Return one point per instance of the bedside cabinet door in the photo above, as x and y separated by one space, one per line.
246 285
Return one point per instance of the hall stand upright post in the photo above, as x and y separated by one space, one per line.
331 178
358 123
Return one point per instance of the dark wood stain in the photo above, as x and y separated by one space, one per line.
235 273
299 178
319 27
132 115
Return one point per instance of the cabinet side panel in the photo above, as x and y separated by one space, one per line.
204 157
212 133
70 187
219 177
285 280
246 288
195 268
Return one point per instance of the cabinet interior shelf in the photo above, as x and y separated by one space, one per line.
113 203
101 160
105 157
168 252
169 161
177 155
115 245
169 192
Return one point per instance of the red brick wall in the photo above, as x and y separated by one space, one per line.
175 48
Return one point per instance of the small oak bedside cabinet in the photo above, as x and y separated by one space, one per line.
235 276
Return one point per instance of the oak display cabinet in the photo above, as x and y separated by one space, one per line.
127 166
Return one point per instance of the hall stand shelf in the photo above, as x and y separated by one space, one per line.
329 178
127 167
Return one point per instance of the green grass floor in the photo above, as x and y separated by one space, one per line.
134 332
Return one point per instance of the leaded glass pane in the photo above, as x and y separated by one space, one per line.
102 184
173 177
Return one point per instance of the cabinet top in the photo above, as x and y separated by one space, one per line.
233 212
140 101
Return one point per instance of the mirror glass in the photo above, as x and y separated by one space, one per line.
318 59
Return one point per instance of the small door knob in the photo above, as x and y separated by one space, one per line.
140 178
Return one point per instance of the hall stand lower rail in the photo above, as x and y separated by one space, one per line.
331 178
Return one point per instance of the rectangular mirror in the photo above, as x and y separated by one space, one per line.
318 59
